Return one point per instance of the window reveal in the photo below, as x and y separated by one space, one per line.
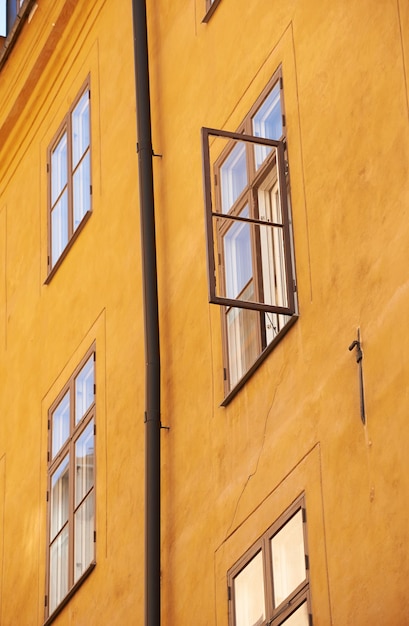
71 484
250 258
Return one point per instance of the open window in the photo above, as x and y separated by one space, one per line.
249 240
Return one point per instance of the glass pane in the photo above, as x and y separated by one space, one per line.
233 176
82 195
242 338
58 570
58 168
299 617
288 558
84 463
60 424
59 497
59 228
3 20
84 389
84 536
237 256
267 123
249 604
80 129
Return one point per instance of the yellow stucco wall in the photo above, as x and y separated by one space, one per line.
227 473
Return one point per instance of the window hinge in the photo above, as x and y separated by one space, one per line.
219 258
95 536
304 515
310 619
286 168
95 429
283 122
307 562
90 190
45 600
48 456
95 389
48 425
48 167
294 286
281 82
95 356
215 179
46 496
224 373
228 592
48 261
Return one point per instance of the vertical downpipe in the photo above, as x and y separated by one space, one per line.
151 318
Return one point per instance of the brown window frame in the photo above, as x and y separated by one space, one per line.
77 427
274 165
73 231
211 7
275 615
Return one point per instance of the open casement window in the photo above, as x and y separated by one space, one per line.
69 179
250 257
71 486
270 584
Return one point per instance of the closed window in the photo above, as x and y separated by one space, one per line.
69 177
250 254
71 484
270 583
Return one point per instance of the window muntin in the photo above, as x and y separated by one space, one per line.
71 471
69 166
270 584
248 226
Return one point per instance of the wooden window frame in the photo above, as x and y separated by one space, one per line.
211 6
67 448
275 616
66 129
277 162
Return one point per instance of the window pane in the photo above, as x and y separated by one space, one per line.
3 19
288 558
299 617
59 497
60 424
233 176
58 569
84 463
249 594
84 389
80 129
237 257
243 341
59 228
58 168
81 185
267 123
84 536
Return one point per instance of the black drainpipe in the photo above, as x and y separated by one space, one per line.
151 317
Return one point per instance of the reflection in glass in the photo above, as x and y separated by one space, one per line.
60 424
59 168
249 594
58 569
233 176
84 389
242 337
59 497
267 123
299 617
237 255
288 558
84 463
81 190
84 536
80 129
59 227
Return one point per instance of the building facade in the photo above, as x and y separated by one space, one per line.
281 157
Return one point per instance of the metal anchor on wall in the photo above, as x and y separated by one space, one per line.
359 355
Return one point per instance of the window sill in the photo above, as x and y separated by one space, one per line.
211 11
8 42
233 392
69 595
67 248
